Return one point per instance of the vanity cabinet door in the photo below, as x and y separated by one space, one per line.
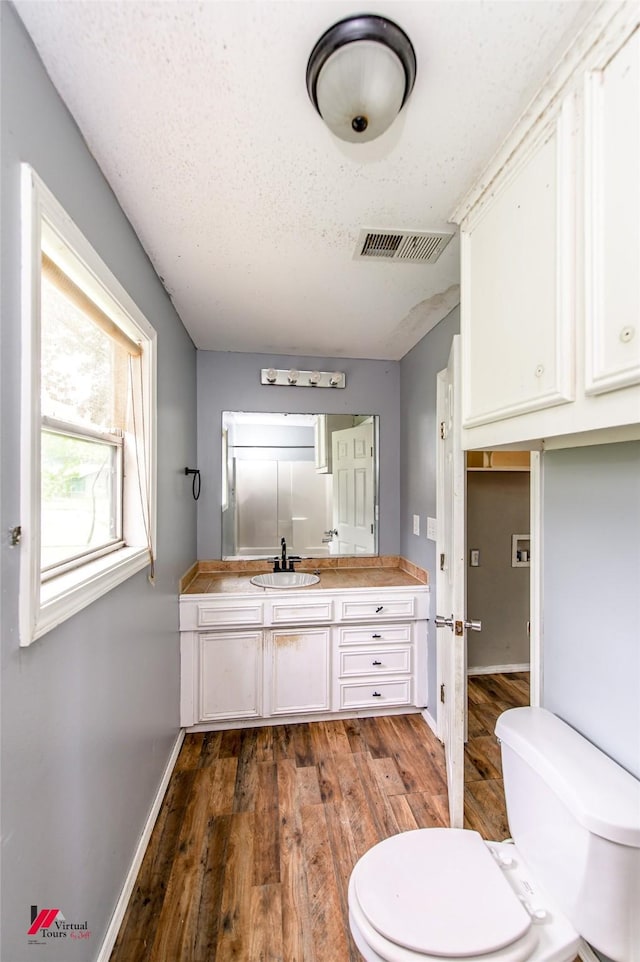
518 282
612 204
230 675
299 670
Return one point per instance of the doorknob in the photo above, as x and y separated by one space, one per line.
471 625
441 622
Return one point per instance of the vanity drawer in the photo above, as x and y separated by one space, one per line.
359 609
375 635
312 611
375 694
224 613
375 661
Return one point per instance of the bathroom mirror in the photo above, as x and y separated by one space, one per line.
311 479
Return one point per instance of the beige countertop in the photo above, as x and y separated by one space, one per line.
239 582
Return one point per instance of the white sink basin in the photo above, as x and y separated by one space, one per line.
285 579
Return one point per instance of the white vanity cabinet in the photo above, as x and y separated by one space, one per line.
294 655
375 666
550 256
230 676
298 670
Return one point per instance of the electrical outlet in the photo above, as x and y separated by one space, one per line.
416 524
432 529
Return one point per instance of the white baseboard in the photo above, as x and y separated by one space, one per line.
123 900
586 953
430 720
497 669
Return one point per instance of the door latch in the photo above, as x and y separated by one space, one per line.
442 693
469 625
15 536
441 622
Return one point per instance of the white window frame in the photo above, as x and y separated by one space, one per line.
44 605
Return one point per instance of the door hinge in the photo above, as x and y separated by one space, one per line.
442 562
15 535
371 529
442 693
443 431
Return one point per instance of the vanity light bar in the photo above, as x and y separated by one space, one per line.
294 378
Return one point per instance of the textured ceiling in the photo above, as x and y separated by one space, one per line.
247 206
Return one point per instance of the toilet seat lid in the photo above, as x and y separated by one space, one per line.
439 891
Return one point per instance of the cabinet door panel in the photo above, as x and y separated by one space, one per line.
612 204
300 670
518 274
230 675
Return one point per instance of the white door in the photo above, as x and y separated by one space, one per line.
450 582
353 496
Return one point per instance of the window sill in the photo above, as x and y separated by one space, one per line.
69 593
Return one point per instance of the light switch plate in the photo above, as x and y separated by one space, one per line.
432 529
416 524
474 557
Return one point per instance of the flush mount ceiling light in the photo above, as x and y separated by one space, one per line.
359 76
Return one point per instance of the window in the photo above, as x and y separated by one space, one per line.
88 422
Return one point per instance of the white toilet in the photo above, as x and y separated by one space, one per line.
572 870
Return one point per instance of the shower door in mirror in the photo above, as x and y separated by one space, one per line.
277 484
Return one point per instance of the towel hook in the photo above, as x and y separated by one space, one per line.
195 484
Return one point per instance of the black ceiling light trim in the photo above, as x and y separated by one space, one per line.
366 26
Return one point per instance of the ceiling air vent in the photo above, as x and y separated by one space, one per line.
420 246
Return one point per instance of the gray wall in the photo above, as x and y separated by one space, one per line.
418 370
90 711
591 551
498 506
231 382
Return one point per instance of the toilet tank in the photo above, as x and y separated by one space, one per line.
574 815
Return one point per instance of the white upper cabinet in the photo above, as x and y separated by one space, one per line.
550 249
612 205
517 251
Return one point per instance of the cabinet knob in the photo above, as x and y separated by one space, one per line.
379 609
376 662
376 636
376 694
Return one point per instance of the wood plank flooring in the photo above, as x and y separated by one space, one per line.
251 854
252 851
488 696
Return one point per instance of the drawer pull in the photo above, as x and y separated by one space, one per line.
376 636
379 609
376 662
376 694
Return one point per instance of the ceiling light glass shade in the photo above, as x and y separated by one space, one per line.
359 75
363 82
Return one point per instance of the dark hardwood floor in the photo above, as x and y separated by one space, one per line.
259 830
251 854
488 696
